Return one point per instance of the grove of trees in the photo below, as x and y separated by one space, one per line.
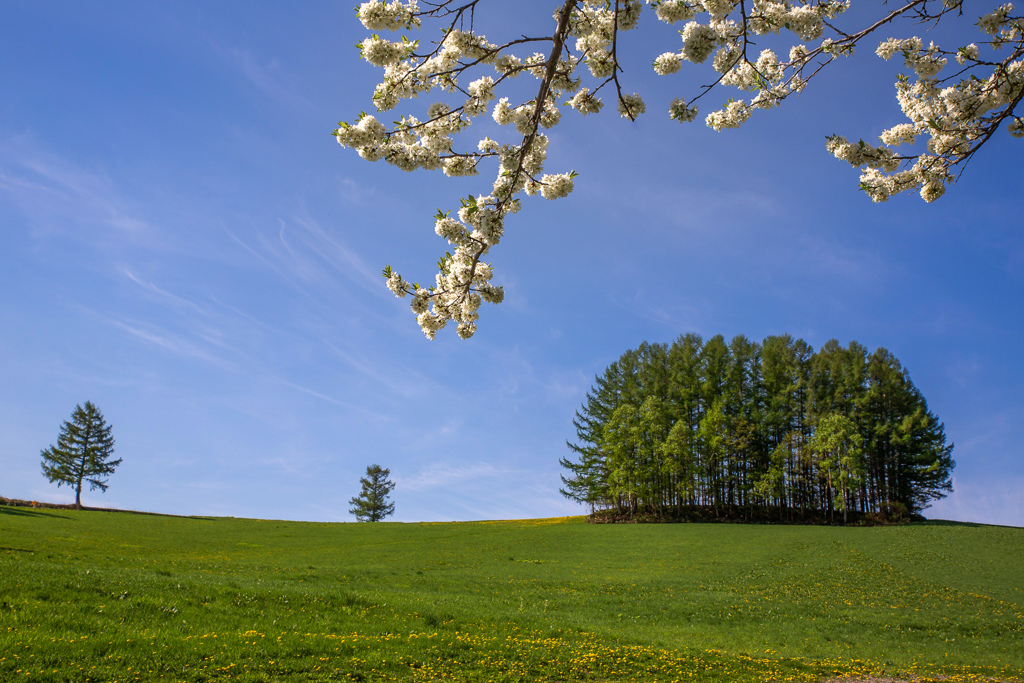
772 429
83 452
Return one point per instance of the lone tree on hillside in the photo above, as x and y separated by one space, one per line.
955 97
82 453
371 505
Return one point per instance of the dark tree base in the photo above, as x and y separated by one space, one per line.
749 515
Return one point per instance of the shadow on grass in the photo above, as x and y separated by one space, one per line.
32 512
22 507
949 522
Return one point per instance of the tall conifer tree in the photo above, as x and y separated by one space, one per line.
372 504
83 452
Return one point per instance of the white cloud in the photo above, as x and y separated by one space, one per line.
269 77
166 297
59 196
442 475
990 500
164 340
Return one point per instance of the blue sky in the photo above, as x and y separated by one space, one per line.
183 243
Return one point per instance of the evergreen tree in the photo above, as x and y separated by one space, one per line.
588 482
82 453
910 457
372 505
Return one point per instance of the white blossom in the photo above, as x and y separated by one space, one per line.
679 111
947 116
992 23
967 52
732 115
668 63
671 11
585 103
503 112
717 8
556 186
450 229
698 41
631 106
805 21
377 15
397 285
902 134
380 52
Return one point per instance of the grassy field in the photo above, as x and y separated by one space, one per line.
102 596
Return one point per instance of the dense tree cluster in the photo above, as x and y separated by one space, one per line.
771 426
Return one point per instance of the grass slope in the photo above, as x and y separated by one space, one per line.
102 596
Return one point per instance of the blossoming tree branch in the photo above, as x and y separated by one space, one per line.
955 100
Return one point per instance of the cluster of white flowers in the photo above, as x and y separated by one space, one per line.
668 63
631 106
699 41
671 11
999 23
732 115
377 15
595 24
380 52
926 63
679 111
479 224
726 39
556 186
951 117
863 154
585 103
954 116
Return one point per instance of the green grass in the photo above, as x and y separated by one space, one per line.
98 596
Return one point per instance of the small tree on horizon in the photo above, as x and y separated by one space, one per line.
372 505
82 453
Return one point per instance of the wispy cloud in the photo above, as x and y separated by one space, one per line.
166 297
332 250
304 253
820 254
399 380
353 192
59 196
160 338
991 500
267 75
479 491
517 375
442 475
351 407
674 314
